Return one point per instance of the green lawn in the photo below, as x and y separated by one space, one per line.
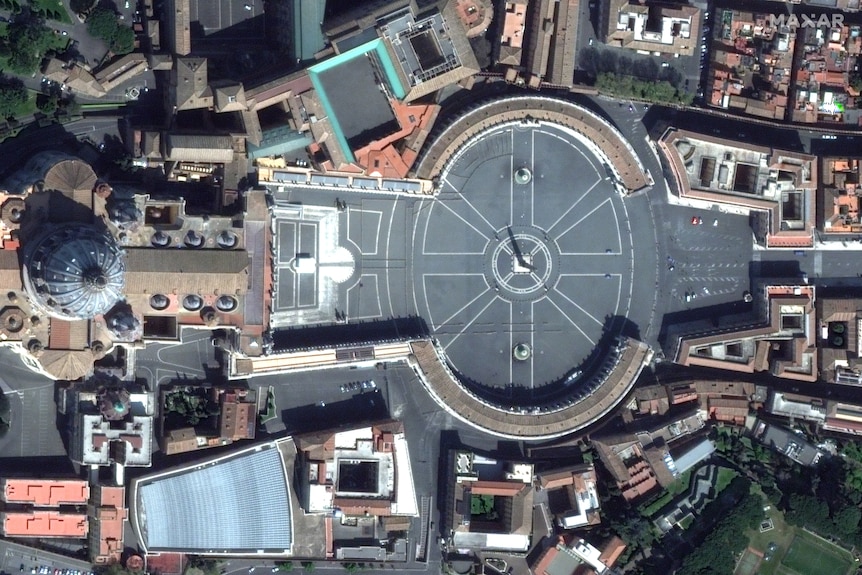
810 555
686 521
481 504
681 484
11 5
653 508
270 412
796 551
51 10
725 476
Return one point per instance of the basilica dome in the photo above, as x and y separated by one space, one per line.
74 272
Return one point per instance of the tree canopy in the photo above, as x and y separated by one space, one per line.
12 95
81 6
103 23
27 40
631 87
717 554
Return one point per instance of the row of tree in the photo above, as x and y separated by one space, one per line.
631 87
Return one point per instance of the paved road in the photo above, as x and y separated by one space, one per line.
15 152
193 359
33 432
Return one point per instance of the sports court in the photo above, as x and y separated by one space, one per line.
811 555
748 563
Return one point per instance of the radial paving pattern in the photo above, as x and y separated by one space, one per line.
528 243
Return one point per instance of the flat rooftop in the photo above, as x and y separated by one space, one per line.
363 74
227 19
44 524
46 493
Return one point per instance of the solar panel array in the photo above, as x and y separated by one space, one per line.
240 503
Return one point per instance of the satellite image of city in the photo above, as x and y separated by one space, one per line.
455 287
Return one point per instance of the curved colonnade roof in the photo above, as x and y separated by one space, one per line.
554 110
622 365
529 423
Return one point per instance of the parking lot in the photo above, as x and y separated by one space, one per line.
27 560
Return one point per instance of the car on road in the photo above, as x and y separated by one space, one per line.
631 108
696 220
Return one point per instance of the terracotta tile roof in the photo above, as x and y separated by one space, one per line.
498 488
151 270
166 563
10 270
611 551
237 420
356 506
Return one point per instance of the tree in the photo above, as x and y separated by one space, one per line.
808 511
285 566
27 39
46 103
102 23
856 81
81 6
124 40
208 566
13 94
307 566
717 553
847 521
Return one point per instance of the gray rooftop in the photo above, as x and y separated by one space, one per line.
355 81
237 504
695 455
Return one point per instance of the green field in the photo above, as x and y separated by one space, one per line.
795 551
51 10
481 504
810 555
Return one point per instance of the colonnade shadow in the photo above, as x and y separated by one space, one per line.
569 384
